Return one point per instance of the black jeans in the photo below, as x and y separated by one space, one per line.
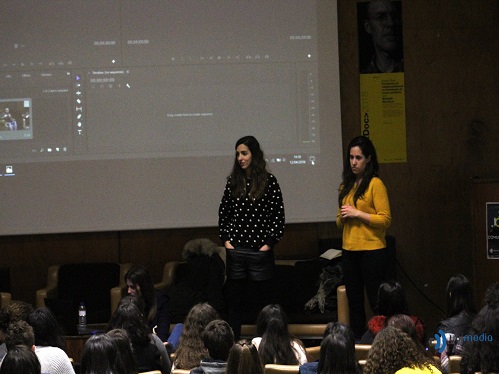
365 269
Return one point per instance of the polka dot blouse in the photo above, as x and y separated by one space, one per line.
251 224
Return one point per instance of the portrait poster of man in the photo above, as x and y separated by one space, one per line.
381 69
493 231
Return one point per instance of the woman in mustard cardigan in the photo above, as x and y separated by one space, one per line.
363 216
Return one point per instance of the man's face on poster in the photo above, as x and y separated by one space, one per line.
383 23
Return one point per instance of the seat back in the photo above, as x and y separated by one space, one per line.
454 364
280 369
362 351
313 353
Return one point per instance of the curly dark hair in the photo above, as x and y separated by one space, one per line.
393 350
19 310
19 333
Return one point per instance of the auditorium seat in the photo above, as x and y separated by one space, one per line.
279 369
69 284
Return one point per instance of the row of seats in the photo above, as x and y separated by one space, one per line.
55 286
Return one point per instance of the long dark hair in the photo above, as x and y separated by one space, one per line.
337 356
338 350
127 361
258 171
275 347
100 355
47 330
139 276
128 317
20 360
349 178
459 296
391 299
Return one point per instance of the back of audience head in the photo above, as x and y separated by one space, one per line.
275 346
191 349
391 299
459 296
393 350
47 330
483 355
340 328
267 317
129 317
337 355
244 359
405 323
218 338
487 319
4 323
20 360
19 310
127 359
100 355
19 333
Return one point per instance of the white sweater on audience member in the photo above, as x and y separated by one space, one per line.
54 360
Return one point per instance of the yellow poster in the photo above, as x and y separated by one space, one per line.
382 108
381 68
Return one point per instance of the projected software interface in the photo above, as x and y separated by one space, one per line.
125 79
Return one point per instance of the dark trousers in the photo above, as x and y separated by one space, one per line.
365 269
245 300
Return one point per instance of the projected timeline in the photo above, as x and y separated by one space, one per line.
127 80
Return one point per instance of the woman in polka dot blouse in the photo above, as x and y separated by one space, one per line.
251 222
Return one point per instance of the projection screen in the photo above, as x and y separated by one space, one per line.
123 114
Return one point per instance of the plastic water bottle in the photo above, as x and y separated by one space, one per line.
82 315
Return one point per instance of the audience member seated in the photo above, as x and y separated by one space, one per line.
218 339
244 359
19 310
140 284
20 333
191 349
337 353
406 324
49 342
274 343
100 355
20 360
481 344
460 307
128 316
124 345
393 351
4 324
391 301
